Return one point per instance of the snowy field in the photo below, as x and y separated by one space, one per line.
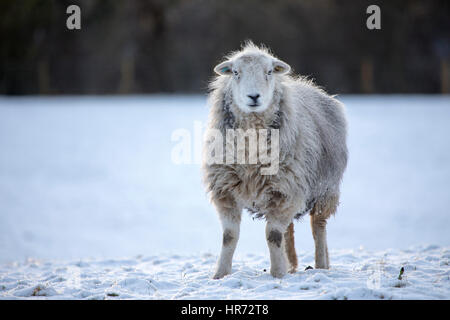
92 205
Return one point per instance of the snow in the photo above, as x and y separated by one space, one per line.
87 181
355 274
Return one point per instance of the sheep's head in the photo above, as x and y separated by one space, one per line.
252 75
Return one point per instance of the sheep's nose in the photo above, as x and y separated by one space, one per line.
254 97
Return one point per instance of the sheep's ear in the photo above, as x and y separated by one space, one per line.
281 67
224 68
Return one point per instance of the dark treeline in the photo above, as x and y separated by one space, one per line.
130 46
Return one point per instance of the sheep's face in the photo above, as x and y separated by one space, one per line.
252 80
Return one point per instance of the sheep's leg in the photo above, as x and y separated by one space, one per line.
290 248
319 231
230 226
278 259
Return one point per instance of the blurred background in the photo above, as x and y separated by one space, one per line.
87 119
134 47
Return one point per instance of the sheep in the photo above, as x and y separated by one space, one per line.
253 90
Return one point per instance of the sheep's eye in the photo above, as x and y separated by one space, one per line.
269 72
235 73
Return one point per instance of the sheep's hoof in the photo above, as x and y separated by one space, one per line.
292 270
277 273
220 274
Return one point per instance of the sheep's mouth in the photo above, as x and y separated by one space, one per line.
253 104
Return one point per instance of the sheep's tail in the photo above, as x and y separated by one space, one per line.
290 248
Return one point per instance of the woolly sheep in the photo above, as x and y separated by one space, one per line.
253 90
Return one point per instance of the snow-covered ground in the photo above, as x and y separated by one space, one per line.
92 205
355 274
